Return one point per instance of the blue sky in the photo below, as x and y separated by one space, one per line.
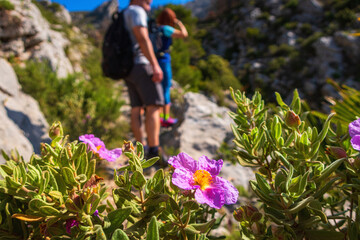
87 5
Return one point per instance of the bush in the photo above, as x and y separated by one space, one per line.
83 106
217 71
308 179
6 5
58 195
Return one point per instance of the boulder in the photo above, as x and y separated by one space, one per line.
23 126
24 33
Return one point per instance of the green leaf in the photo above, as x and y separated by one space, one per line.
116 218
82 166
36 203
138 180
10 183
68 176
191 204
203 227
300 205
49 211
91 168
44 182
119 235
280 101
153 230
122 193
329 169
174 206
262 183
156 199
100 235
149 162
191 230
325 129
324 189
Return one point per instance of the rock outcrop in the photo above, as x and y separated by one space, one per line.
23 126
25 34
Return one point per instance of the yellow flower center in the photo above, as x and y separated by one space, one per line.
98 148
202 178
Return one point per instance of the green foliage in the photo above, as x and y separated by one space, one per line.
57 195
347 108
292 4
216 69
305 174
82 105
48 12
6 5
254 34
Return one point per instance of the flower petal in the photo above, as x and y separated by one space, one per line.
110 155
183 179
92 141
354 128
212 166
355 142
231 194
182 160
214 197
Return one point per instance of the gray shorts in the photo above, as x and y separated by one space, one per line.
142 90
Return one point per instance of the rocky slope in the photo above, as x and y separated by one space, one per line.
280 45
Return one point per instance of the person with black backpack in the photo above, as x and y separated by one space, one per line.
144 79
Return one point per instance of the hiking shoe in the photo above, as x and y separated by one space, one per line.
168 122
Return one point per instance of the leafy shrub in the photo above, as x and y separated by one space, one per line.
292 4
307 181
254 34
291 25
58 195
346 17
6 5
83 106
217 70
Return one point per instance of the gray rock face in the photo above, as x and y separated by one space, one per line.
329 57
350 44
24 33
22 125
200 8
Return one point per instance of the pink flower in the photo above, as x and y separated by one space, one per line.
69 224
354 131
201 176
98 146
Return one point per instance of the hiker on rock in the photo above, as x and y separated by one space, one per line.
144 80
167 21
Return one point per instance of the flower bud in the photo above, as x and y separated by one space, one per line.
239 214
247 213
292 119
336 152
56 130
128 146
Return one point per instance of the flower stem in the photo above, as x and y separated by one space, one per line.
142 200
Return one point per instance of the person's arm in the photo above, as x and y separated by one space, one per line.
182 33
142 37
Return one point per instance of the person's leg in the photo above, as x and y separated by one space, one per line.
152 125
136 124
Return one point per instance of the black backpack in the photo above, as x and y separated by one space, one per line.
117 52
155 35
